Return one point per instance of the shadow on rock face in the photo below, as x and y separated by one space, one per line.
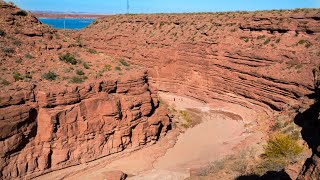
270 175
310 123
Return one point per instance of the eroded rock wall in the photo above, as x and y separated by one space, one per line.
265 57
44 131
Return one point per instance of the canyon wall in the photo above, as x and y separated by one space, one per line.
41 131
265 57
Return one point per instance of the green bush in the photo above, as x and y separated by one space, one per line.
266 41
301 41
282 146
261 37
86 65
77 79
118 68
18 60
79 72
187 118
107 67
278 40
22 13
28 56
51 76
5 82
92 51
123 62
8 50
17 76
161 24
68 58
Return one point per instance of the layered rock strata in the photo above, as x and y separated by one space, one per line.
41 131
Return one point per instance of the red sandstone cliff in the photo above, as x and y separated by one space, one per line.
266 57
52 124
46 130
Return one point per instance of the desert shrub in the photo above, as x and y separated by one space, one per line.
77 79
86 65
17 76
161 24
107 67
51 76
18 60
68 58
266 41
92 51
278 40
301 41
22 13
79 72
216 166
16 42
245 39
123 62
273 164
233 30
118 68
276 126
4 82
28 56
8 50
187 118
261 37
282 146
2 32
79 41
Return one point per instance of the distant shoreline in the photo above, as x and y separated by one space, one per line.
68 15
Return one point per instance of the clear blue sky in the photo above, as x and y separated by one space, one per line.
162 6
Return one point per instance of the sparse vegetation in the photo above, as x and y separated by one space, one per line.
18 60
28 56
77 79
68 58
123 62
17 76
8 50
187 119
79 72
278 40
16 42
92 51
86 65
261 37
266 41
245 39
282 146
22 13
117 68
280 151
4 82
51 76
161 24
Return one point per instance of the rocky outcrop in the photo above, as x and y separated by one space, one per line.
265 57
60 128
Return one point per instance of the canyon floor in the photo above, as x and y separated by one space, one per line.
229 127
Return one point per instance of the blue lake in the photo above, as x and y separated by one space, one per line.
67 23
